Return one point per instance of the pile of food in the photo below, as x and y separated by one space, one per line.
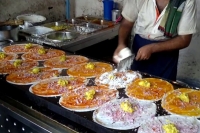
117 100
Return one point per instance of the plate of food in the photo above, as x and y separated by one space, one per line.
65 61
31 76
56 86
87 98
170 124
148 89
21 48
115 79
182 101
11 66
124 113
89 69
42 54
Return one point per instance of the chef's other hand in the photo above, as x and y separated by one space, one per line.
144 53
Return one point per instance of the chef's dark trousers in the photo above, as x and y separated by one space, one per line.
162 64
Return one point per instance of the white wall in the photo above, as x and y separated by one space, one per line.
92 7
52 9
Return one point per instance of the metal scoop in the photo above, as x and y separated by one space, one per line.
125 64
125 58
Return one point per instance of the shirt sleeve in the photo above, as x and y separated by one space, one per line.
188 21
131 9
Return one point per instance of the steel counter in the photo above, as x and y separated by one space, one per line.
81 42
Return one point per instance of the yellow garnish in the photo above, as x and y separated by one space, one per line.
61 27
62 82
184 97
89 95
111 76
127 107
90 65
71 78
29 45
70 87
144 83
17 63
63 58
35 70
2 55
170 128
42 51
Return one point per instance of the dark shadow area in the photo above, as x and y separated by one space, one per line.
102 51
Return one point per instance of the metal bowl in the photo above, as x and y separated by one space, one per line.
62 36
60 25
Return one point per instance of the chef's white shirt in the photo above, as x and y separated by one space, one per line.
147 19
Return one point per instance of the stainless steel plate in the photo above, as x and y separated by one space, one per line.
60 25
62 36
85 28
36 30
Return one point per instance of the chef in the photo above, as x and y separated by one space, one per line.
161 28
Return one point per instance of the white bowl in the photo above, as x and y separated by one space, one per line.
31 18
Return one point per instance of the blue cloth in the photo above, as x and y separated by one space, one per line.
162 64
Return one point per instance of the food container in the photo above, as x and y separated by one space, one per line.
31 20
60 25
9 32
115 14
36 30
86 28
61 36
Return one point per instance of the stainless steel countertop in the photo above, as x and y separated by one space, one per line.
82 41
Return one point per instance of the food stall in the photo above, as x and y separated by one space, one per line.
22 110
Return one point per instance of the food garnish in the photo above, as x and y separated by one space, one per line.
17 63
90 65
62 82
127 107
41 51
2 55
184 97
63 58
144 83
89 95
170 128
111 76
29 45
35 70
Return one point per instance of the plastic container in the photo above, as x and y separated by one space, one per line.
108 7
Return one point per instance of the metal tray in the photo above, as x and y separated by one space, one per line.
60 25
21 93
36 30
86 28
61 36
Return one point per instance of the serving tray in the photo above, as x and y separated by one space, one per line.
21 93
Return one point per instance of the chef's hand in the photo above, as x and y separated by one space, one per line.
144 53
116 58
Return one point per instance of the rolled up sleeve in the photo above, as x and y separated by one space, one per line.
131 9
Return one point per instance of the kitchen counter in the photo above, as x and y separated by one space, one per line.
82 41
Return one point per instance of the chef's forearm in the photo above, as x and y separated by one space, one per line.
124 32
179 42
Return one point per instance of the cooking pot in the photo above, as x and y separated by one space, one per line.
9 32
